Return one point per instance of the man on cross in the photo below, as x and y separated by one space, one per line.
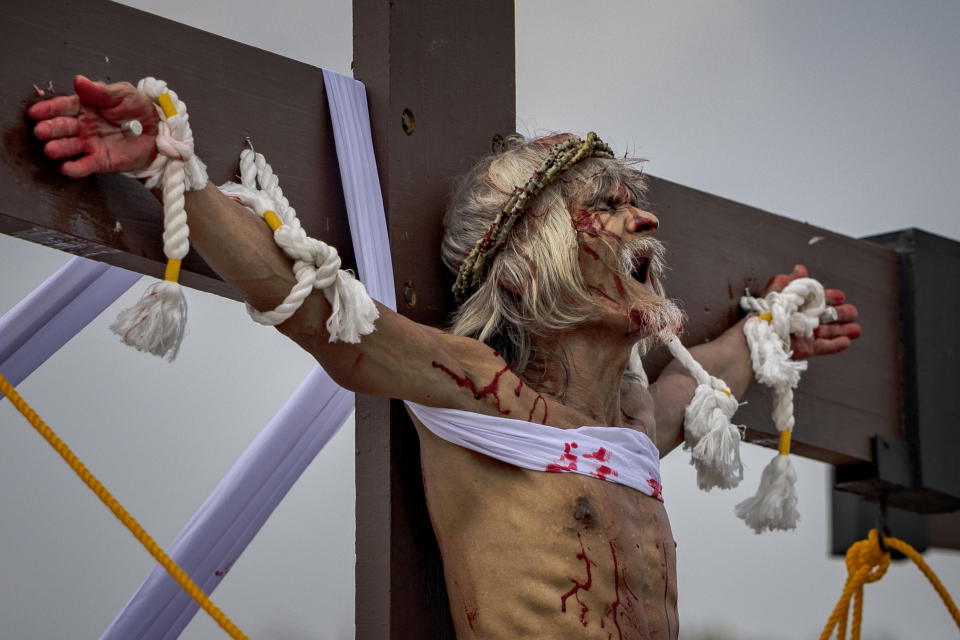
563 533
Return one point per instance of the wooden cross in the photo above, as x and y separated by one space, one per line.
441 84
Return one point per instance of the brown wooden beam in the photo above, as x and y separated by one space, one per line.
717 248
232 91
440 81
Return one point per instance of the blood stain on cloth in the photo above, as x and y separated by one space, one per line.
657 489
567 460
600 454
604 472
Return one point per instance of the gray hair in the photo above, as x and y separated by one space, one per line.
534 286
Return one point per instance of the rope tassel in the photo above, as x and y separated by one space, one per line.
714 441
157 322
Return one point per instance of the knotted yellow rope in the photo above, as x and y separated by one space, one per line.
128 520
867 562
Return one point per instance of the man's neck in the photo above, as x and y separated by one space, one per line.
582 369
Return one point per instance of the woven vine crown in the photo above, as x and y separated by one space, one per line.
565 154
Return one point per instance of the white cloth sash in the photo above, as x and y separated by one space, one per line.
614 454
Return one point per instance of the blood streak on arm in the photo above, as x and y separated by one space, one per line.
578 586
491 389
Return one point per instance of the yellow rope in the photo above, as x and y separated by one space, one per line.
867 562
107 498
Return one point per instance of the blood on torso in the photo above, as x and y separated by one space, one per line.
547 555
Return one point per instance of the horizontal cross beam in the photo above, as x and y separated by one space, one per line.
232 91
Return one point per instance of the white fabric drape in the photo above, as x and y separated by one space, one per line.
614 454
56 311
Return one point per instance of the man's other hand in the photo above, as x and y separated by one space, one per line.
85 129
828 338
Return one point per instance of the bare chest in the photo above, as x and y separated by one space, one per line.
531 554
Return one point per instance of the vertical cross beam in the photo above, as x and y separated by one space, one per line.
440 78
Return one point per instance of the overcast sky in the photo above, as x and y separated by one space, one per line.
843 115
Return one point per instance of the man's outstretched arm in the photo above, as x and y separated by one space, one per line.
728 358
84 130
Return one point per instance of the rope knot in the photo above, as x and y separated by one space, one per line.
316 263
868 558
175 142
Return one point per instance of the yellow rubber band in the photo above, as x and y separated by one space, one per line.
272 219
122 514
727 393
172 274
167 105
766 316
785 442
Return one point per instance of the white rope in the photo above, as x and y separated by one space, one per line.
796 310
316 264
709 434
157 323
174 142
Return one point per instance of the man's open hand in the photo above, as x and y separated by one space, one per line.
85 129
827 338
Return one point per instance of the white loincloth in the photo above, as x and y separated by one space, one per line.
614 454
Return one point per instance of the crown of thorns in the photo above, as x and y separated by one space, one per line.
562 156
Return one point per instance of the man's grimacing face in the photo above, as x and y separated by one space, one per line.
620 261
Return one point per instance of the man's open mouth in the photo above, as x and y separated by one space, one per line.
641 268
